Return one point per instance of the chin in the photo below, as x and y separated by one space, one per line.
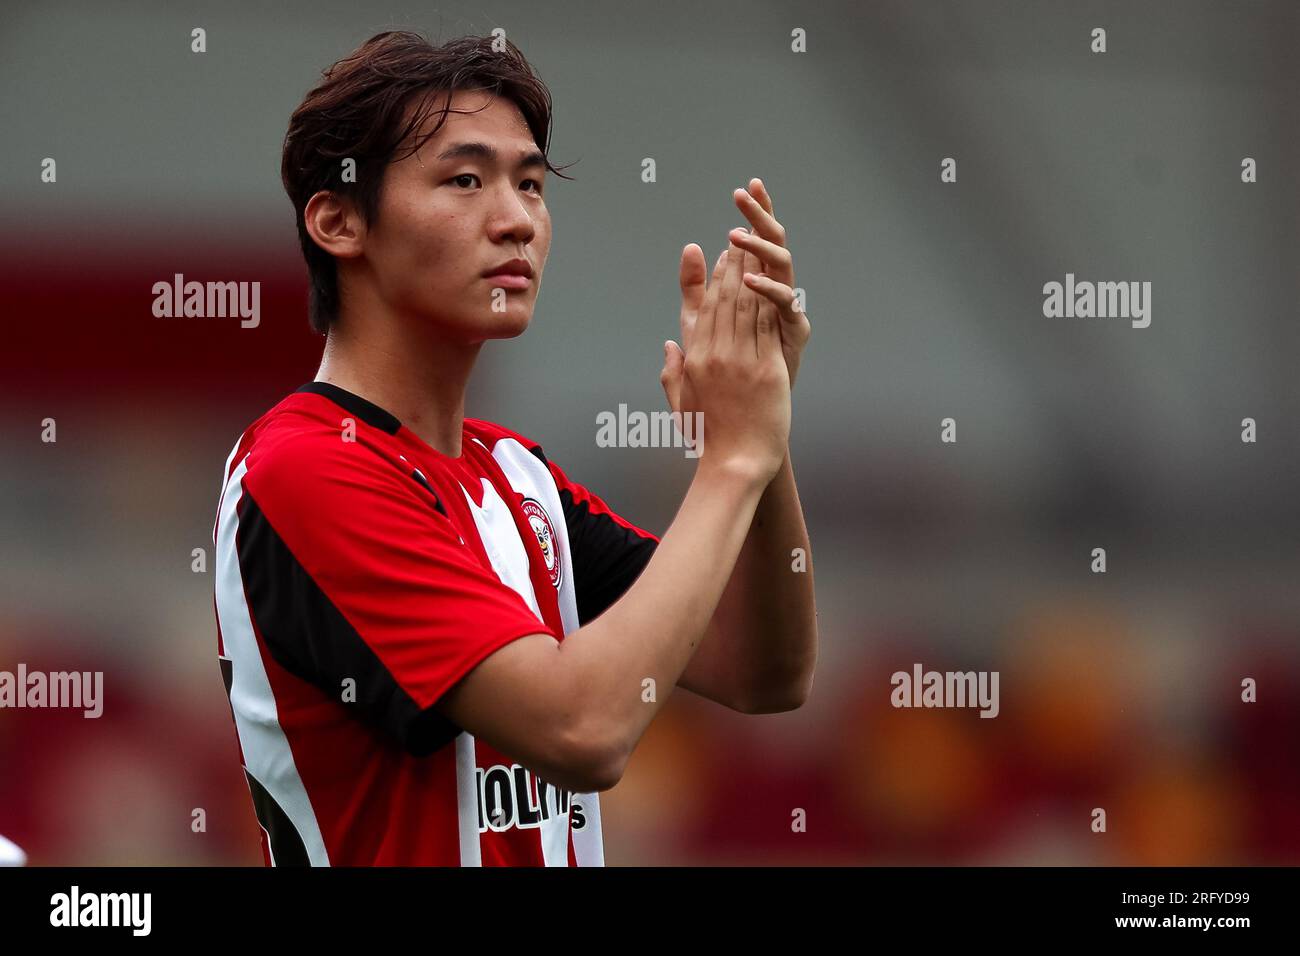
510 323
481 326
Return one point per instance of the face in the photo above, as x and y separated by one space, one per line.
467 202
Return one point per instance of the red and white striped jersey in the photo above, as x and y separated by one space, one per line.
360 573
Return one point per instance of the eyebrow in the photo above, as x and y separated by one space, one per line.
489 154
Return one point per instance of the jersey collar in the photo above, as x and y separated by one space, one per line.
359 407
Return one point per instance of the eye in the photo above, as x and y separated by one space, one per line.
457 179
537 185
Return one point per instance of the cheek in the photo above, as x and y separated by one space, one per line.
431 242
542 241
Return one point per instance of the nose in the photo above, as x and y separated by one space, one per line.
511 220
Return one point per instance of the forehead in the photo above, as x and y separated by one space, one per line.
473 115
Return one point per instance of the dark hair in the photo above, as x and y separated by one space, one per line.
356 112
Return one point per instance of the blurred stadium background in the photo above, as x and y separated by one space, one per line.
1119 690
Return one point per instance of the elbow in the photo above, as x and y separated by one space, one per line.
788 696
605 772
787 686
780 694
594 758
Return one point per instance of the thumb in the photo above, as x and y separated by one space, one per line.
693 276
671 376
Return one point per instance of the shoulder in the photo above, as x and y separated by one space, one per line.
297 454
335 500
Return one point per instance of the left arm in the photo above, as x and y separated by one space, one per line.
760 649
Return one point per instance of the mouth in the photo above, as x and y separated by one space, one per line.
515 274
508 281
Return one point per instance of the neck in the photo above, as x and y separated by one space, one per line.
420 381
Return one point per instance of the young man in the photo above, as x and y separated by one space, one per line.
438 647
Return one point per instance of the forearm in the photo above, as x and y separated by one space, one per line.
766 621
652 631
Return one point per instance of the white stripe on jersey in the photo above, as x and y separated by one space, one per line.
471 851
505 549
588 843
267 755
528 476
532 479
225 482
500 536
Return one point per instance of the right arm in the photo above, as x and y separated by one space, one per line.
577 708
573 711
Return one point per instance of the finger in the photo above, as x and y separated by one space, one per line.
767 328
764 222
750 264
780 294
758 190
705 324
724 327
691 275
671 375
747 302
777 261
794 328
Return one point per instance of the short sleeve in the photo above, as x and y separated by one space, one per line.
351 570
609 552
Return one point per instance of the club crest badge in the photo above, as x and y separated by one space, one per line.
546 539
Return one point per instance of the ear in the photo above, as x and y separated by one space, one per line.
334 224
